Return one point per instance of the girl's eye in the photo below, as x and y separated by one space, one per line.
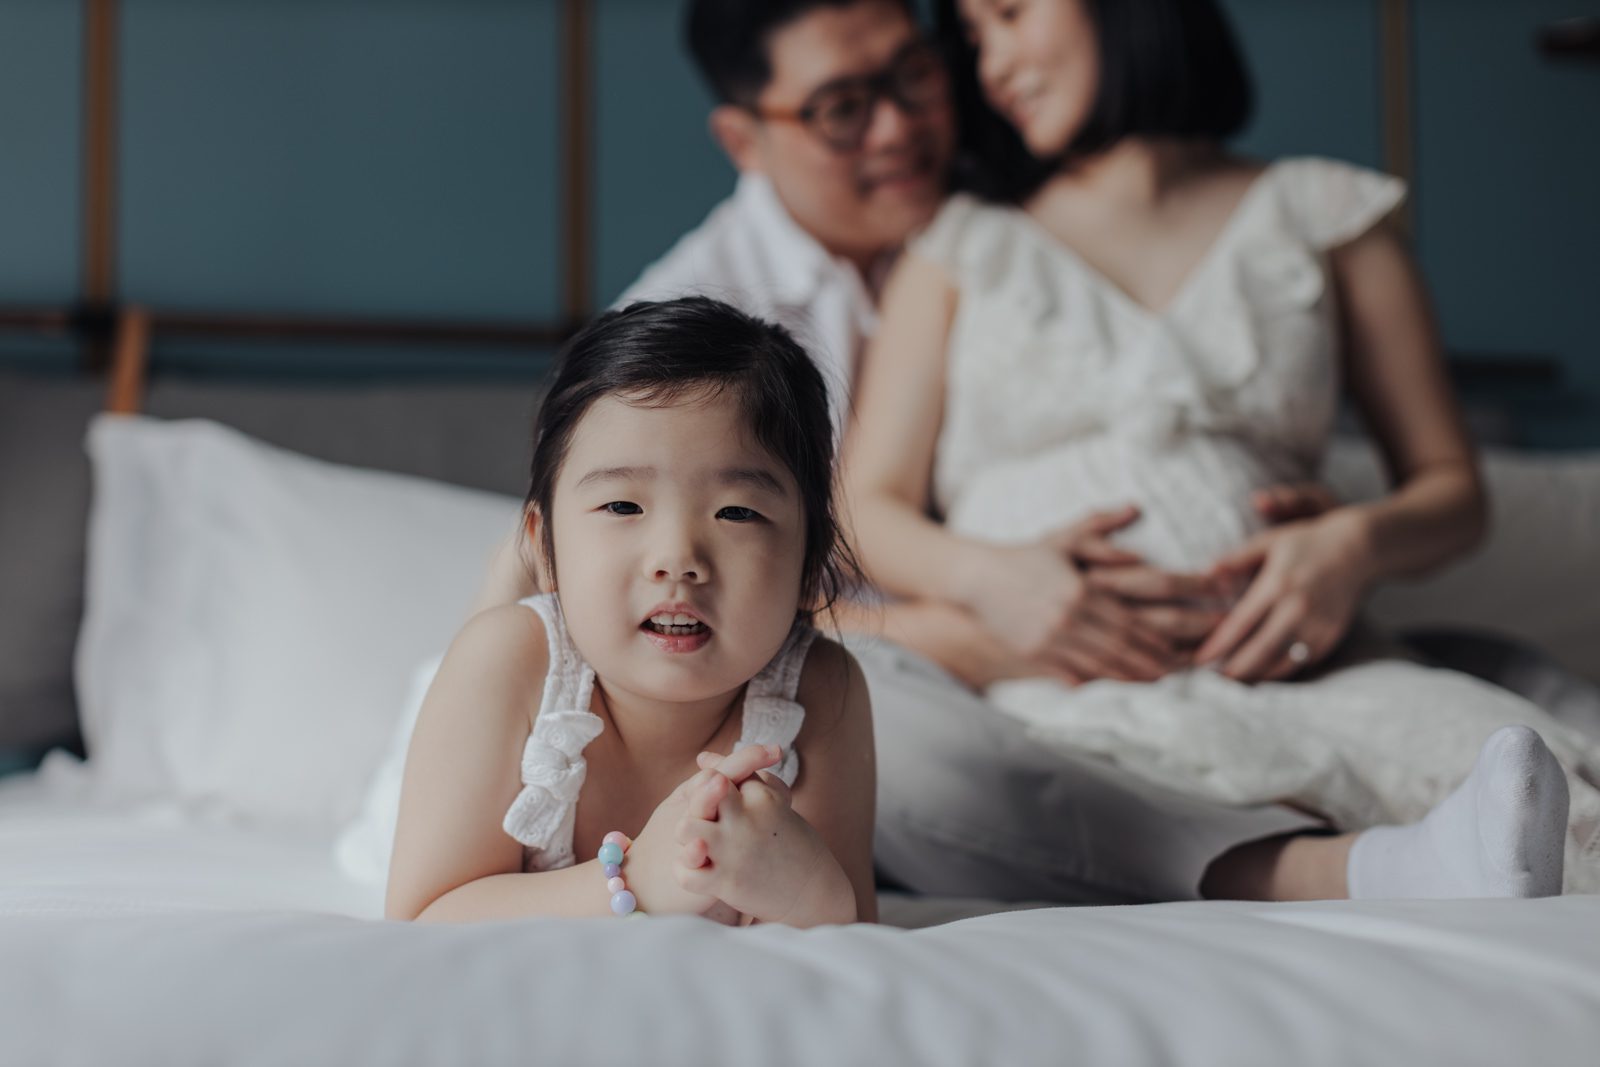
733 514
624 507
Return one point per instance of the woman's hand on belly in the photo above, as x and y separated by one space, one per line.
1037 601
1292 502
1306 582
1183 608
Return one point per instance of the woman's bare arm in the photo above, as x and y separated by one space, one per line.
1307 579
1031 598
508 577
946 634
1394 363
889 450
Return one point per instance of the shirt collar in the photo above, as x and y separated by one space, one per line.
801 264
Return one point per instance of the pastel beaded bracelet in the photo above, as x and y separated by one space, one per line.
613 849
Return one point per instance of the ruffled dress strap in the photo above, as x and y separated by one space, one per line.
1332 202
553 767
772 715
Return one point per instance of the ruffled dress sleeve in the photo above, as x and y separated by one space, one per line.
1333 202
964 239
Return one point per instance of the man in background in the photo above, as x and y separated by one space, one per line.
836 114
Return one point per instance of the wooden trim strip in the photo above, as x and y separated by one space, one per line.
530 335
99 150
54 322
1399 100
130 363
84 321
576 151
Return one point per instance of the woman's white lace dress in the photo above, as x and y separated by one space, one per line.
1064 396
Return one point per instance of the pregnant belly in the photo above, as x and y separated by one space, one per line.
1194 499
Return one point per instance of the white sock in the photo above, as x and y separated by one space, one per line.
1501 834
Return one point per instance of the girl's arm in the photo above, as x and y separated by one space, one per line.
1309 577
838 787
452 860
1031 598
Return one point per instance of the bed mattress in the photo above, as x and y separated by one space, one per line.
145 934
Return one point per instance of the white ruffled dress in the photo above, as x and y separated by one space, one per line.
553 768
1063 396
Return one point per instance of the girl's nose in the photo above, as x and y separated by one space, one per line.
679 563
680 572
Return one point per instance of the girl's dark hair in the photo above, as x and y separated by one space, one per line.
654 353
1168 68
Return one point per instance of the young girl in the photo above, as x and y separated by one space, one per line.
566 758
1130 315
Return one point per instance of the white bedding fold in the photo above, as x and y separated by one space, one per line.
1460 983
139 934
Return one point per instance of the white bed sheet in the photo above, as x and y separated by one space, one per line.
65 851
146 935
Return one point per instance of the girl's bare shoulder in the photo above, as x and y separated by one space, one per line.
503 650
832 689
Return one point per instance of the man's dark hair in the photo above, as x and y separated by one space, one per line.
654 354
730 40
1168 68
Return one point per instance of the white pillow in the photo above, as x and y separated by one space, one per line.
365 845
252 615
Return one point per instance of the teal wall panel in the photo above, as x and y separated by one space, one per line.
343 156
1508 172
658 171
40 104
403 158
1316 70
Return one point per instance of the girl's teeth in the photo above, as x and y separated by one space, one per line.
676 624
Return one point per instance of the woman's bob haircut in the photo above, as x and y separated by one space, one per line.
1168 68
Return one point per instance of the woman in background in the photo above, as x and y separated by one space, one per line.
1128 315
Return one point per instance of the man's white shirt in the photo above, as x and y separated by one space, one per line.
749 252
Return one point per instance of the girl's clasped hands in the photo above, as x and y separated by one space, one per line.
728 845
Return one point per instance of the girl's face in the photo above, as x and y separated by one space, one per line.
1039 65
679 546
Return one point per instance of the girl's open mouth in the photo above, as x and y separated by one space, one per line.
668 624
675 632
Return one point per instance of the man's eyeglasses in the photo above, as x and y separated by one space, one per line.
840 112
